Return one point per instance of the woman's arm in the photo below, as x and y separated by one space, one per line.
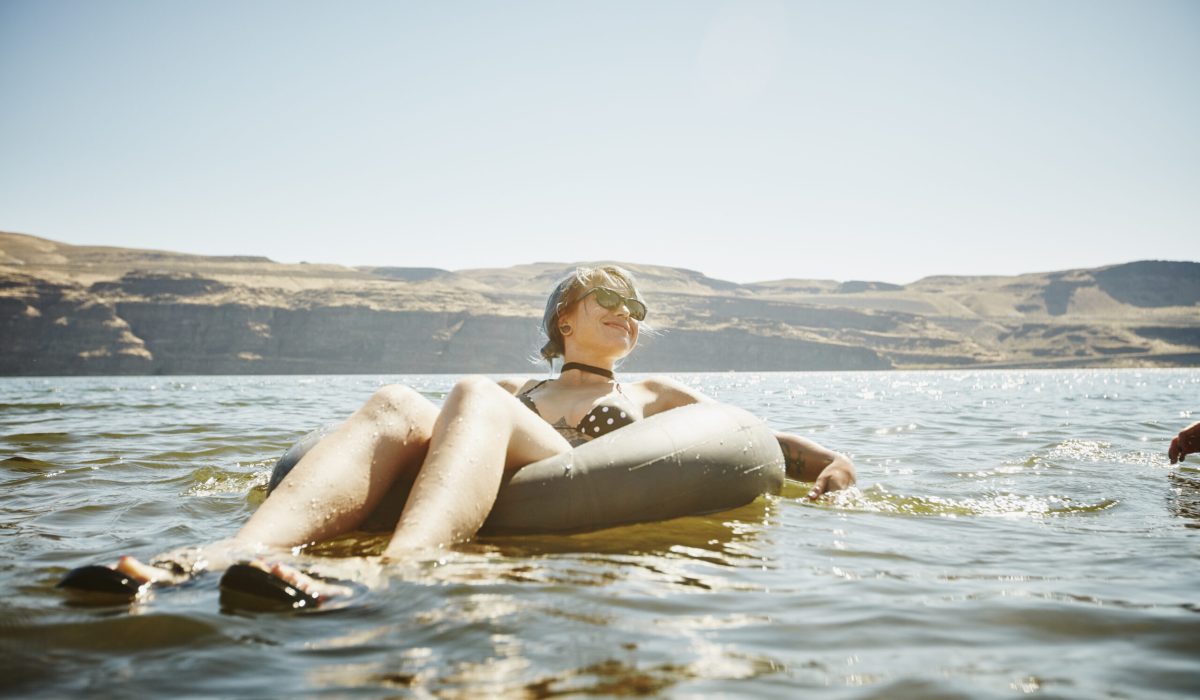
1185 443
805 460
512 385
666 393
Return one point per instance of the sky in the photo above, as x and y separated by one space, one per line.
750 140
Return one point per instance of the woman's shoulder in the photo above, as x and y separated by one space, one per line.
517 385
660 393
658 382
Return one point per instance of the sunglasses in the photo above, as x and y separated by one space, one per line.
611 300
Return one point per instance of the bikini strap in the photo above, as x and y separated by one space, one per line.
533 388
526 399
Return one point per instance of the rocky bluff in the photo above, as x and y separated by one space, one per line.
98 310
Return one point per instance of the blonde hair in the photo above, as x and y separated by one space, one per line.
569 290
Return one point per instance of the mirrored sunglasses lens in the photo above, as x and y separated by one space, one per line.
611 300
637 310
607 298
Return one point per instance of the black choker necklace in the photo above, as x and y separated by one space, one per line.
586 368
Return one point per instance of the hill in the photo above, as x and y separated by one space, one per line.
68 309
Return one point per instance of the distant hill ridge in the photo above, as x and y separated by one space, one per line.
68 309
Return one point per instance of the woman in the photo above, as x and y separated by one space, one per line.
456 457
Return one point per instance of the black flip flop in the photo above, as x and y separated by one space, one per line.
100 580
248 587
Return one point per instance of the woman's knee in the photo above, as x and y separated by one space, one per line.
398 401
476 383
476 390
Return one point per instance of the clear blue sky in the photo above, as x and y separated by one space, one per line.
748 140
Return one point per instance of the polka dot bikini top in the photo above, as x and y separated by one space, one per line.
601 420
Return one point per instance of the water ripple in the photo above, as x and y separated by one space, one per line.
1012 532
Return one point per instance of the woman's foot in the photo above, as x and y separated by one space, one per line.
130 575
128 579
318 588
257 585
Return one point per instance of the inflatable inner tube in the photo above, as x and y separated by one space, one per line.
696 459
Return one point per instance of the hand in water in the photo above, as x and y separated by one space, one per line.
835 477
1185 443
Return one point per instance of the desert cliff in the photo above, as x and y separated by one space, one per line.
68 309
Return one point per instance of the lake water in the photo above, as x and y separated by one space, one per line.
1013 532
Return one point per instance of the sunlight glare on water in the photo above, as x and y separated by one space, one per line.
1012 532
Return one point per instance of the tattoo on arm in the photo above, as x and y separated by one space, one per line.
793 460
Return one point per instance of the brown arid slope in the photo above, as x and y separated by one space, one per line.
68 309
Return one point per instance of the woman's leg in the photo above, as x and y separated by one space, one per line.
345 476
337 484
481 432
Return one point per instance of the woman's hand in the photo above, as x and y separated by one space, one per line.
1185 443
835 477
805 460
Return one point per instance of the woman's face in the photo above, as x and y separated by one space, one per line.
595 330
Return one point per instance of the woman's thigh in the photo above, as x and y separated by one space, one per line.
349 473
480 414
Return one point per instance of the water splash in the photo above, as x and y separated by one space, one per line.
1095 451
877 499
215 481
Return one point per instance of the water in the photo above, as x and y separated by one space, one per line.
1013 533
